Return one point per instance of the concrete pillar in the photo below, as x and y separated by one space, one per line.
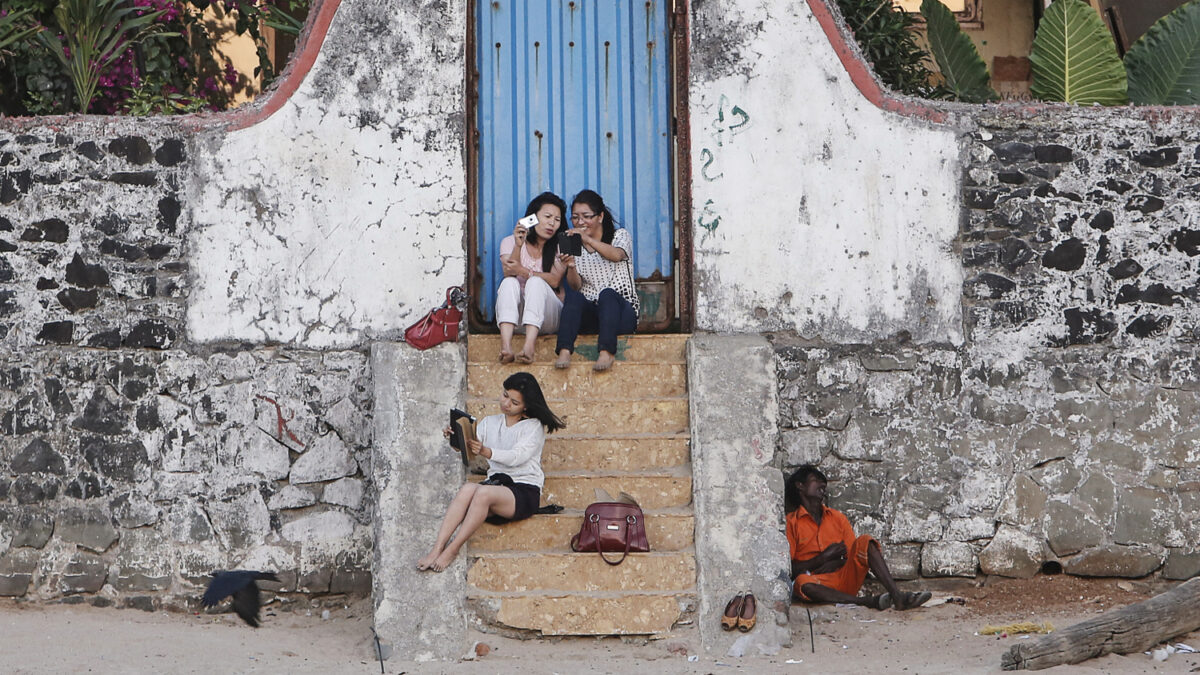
420 615
737 492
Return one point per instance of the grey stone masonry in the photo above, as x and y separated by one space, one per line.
419 615
737 488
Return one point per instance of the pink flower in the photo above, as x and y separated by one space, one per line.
231 74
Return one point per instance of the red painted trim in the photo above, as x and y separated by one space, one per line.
861 73
320 17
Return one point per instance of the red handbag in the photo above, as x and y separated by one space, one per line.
439 325
613 527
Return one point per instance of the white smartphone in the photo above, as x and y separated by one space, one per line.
529 222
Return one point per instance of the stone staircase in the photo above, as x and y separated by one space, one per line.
627 430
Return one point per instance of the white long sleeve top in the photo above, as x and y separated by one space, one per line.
516 450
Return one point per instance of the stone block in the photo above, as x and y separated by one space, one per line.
349 422
84 573
327 458
260 453
29 528
1099 494
323 526
969 529
89 527
291 497
1084 415
857 496
17 568
347 492
116 460
948 559
1070 530
1057 477
187 523
904 560
909 525
242 521
133 510
1012 553
1144 516
805 445
196 565
315 580
1181 564
1113 560
1110 453
39 457
144 562
1024 503
1040 445
864 438
351 575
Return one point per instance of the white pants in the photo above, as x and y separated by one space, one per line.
539 307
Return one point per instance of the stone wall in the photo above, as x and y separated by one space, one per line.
1061 430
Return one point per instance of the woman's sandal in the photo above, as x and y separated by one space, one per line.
733 611
749 614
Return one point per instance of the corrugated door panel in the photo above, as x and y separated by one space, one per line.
573 95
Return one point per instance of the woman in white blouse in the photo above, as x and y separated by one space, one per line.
600 294
512 443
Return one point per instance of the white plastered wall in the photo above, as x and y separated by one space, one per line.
341 217
814 210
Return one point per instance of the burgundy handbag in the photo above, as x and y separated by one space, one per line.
615 527
439 325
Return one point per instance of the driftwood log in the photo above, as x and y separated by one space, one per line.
1127 630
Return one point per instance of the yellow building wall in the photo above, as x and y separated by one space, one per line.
229 47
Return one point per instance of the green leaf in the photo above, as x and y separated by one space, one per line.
1074 57
965 72
1164 64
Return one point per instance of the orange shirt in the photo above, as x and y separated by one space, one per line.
806 539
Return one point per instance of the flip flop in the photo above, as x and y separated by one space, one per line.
911 600
882 601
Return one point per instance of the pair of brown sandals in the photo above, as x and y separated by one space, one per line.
740 613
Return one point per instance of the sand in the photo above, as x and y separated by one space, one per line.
57 638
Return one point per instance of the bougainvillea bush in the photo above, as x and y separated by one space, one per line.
167 67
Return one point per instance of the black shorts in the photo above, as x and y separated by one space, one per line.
527 497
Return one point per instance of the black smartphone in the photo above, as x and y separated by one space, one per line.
570 244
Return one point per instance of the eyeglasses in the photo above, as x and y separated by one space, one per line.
582 216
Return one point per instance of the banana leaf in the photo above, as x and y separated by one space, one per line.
1164 64
1074 57
14 29
965 72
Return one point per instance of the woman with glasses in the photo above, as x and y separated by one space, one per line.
528 295
599 294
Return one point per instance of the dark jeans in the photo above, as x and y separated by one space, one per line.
609 317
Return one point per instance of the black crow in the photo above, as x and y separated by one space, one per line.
240 584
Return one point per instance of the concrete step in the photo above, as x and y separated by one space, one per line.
579 572
652 491
666 531
643 348
591 614
610 418
630 453
624 381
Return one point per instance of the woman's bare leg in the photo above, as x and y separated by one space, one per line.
531 335
453 518
487 499
506 333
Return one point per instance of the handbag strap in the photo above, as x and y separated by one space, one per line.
600 549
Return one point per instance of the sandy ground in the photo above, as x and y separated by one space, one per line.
940 639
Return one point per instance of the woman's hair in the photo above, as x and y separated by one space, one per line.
791 489
535 402
594 202
548 252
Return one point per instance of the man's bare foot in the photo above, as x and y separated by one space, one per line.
427 561
603 362
564 360
443 561
506 355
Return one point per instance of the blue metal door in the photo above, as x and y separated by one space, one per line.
574 94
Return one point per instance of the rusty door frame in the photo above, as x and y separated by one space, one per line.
678 74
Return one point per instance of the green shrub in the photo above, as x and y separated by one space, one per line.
886 37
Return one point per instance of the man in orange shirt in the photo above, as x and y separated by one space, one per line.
829 563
